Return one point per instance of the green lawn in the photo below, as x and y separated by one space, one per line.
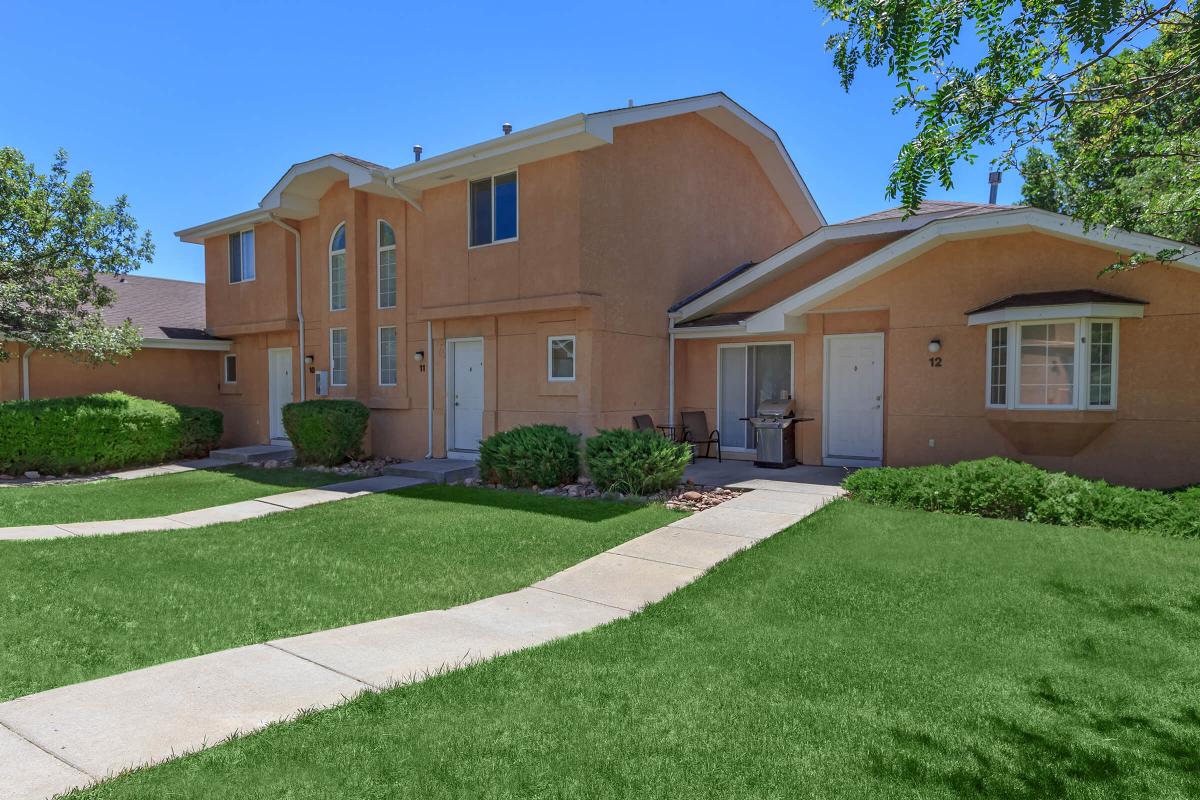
149 497
865 653
74 609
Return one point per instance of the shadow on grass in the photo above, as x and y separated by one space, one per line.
1062 747
286 477
513 500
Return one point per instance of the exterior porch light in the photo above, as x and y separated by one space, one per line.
308 362
419 356
935 345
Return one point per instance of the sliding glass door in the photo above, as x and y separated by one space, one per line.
746 376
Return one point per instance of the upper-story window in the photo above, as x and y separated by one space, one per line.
387 266
241 256
1053 364
494 209
337 269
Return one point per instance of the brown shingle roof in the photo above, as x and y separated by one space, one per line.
162 308
941 208
1061 298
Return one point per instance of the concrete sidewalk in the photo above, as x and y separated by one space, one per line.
76 735
231 512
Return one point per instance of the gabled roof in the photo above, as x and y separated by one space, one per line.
169 313
931 209
295 195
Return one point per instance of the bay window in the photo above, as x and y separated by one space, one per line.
1052 364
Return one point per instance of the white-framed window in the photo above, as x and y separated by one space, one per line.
387 356
337 269
560 358
241 256
387 265
1068 364
338 358
493 209
230 368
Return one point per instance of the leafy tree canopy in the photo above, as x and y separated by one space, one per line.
1128 161
55 242
1011 72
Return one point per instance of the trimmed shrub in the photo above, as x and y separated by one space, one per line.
200 430
997 487
327 432
530 455
99 432
635 462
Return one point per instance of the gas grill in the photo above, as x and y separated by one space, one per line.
774 434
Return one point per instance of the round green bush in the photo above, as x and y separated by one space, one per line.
530 455
635 462
99 432
327 432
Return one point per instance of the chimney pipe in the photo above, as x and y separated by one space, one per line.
994 184
417 152
507 128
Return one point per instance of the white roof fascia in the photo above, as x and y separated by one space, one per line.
187 344
236 222
279 198
890 256
1112 310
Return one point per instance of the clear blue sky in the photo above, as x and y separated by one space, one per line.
195 110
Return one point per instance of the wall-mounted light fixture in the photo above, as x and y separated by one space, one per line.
935 345
419 357
308 362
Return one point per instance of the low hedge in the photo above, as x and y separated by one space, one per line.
635 462
327 432
997 487
99 432
531 455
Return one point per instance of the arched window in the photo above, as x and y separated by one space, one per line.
387 265
337 269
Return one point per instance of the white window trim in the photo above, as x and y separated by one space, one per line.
345 270
379 354
225 369
516 210
1082 365
244 279
379 251
331 371
550 358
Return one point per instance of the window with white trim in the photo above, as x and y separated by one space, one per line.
561 358
493 209
387 265
337 269
387 356
1052 364
338 357
230 368
241 256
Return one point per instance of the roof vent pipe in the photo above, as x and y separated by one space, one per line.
994 184
507 128
417 152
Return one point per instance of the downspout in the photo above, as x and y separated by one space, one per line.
429 359
25 372
299 302
671 377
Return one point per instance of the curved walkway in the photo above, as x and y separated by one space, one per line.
230 512
73 736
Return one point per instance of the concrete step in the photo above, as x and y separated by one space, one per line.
254 453
436 470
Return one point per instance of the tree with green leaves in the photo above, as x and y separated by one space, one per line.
1129 162
56 241
1010 74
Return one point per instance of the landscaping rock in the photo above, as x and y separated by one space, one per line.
693 496
33 474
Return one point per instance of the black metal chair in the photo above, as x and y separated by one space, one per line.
696 432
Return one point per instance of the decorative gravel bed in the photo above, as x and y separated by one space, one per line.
685 497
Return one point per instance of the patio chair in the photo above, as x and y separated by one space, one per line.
645 422
696 432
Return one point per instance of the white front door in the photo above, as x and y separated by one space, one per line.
854 399
464 394
279 387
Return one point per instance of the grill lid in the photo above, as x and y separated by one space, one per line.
775 408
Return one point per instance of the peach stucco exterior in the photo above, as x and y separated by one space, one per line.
608 238
939 414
